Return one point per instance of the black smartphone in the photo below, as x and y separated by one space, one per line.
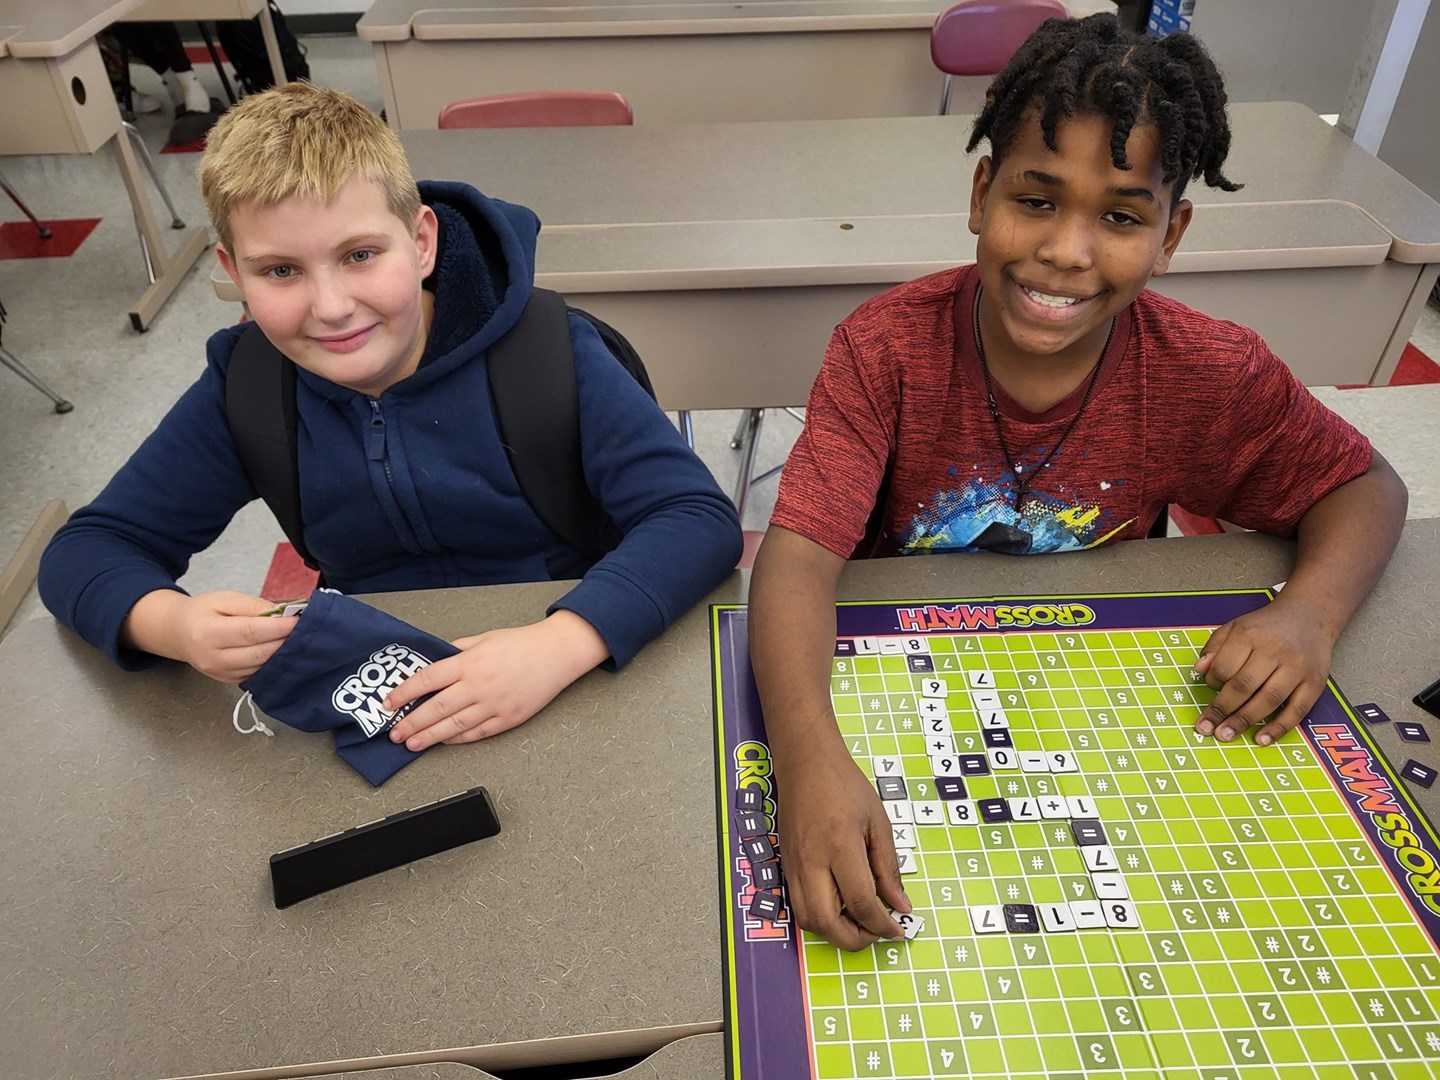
348 856
1429 699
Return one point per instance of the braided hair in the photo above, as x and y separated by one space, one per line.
1097 66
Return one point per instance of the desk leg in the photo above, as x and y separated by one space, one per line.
272 45
169 269
1409 316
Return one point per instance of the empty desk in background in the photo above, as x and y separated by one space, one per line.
685 60
57 100
728 252
142 941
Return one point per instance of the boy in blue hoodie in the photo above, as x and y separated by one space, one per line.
386 296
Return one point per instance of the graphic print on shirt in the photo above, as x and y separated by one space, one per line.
978 514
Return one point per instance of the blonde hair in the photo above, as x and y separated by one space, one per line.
301 140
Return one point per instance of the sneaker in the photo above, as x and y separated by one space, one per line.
145 103
187 92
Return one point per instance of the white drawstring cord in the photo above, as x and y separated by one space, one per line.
256 723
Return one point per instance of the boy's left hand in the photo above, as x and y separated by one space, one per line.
1274 660
499 680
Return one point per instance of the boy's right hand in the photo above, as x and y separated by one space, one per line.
220 634
838 852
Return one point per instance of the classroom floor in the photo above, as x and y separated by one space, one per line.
67 321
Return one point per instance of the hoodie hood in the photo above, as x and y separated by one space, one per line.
484 272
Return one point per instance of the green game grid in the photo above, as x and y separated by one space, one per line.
1271 943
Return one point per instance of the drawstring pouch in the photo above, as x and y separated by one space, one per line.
334 672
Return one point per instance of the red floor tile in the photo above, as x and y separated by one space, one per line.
21 240
288 577
1414 369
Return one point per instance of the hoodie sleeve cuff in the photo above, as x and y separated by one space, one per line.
623 613
122 589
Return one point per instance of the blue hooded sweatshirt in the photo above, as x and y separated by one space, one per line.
413 490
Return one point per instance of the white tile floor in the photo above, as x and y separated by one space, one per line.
67 321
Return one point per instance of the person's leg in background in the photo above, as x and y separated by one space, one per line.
158 46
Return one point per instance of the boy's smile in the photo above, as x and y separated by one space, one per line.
336 287
1066 242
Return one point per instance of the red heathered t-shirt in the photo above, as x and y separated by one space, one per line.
1186 410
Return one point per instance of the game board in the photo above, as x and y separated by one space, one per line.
1104 892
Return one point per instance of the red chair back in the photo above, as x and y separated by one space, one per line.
540 108
978 37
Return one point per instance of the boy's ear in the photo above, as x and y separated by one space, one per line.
227 262
979 188
1174 230
427 238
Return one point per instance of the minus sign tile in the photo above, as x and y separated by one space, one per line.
1033 761
1086 914
1110 886
1417 773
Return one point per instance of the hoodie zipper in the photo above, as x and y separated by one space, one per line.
377 442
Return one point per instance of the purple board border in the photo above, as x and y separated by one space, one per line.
765 1007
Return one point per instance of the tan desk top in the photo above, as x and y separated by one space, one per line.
807 174
140 937
397 20
196 9
879 250
50 28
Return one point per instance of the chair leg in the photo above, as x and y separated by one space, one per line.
746 419
215 59
130 129
687 427
10 361
945 95
45 233
749 443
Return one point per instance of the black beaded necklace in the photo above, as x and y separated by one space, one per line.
1022 484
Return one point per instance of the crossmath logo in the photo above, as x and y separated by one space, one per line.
360 695
1372 795
990 616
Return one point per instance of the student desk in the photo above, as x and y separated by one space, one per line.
683 60
50 63
141 941
728 252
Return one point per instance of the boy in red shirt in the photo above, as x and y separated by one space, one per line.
1042 401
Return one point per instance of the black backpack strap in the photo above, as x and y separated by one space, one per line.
532 379
260 408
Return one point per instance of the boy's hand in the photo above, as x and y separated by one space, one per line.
499 680
838 853
1274 660
219 634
